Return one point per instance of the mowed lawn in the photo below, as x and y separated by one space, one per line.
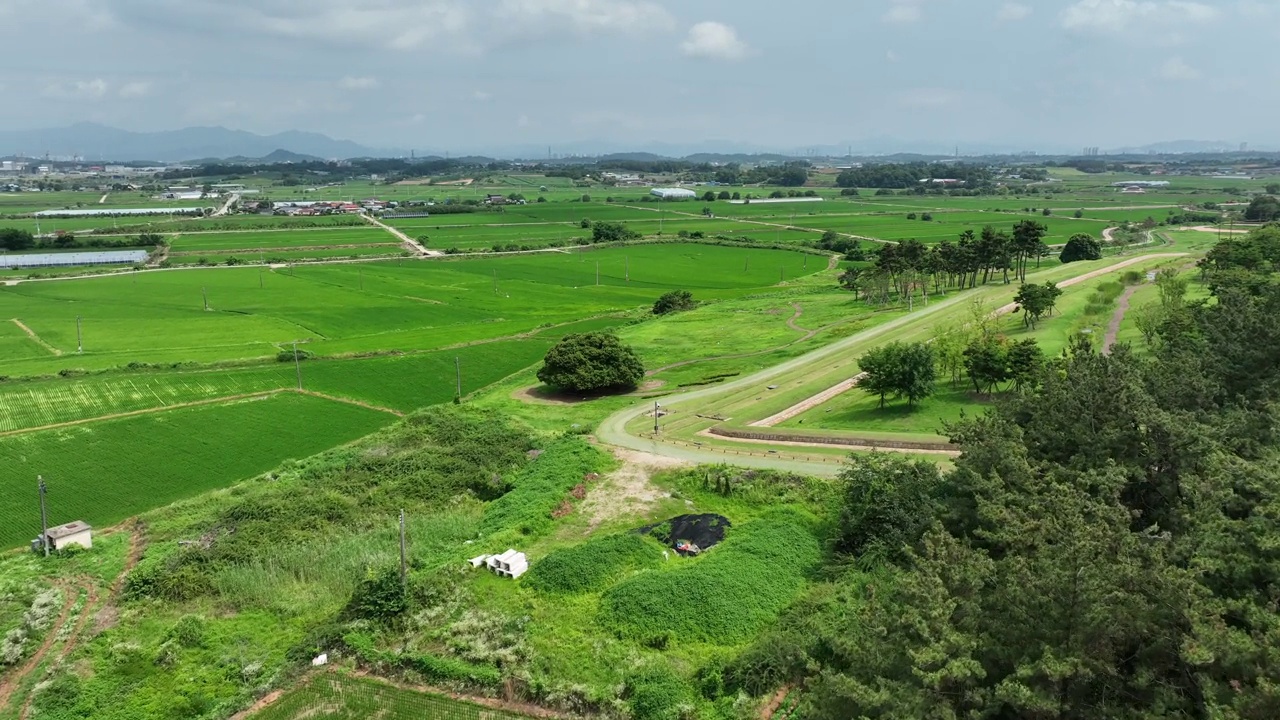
107 471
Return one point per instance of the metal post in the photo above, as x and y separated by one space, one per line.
79 342
457 366
655 417
204 294
297 366
44 522
404 568
259 277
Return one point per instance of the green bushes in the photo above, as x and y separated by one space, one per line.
540 488
432 666
724 597
593 564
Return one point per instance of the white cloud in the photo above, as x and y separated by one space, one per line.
77 90
582 16
1177 69
1012 12
714 40
891 56
135 89
522 121
358 83
404 25
481 95
903 11
1120 15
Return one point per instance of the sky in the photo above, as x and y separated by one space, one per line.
471 75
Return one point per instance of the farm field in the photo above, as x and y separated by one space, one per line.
109 470
276 239
159 317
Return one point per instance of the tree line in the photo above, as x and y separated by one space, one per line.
910 267
1103 548
909 175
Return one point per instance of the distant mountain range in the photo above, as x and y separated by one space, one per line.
100 143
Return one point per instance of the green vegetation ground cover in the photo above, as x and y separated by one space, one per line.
107 471
856 410
256 257
335 697
160 317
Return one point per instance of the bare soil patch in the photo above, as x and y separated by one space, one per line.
627 491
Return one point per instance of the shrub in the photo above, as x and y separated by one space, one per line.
593 564
725 597
379 596
674 301
591 362
540 488
655 692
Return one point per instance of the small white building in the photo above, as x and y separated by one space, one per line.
510 564
673 193
73 533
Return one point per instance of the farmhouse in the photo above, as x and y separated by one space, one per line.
673 193
73 533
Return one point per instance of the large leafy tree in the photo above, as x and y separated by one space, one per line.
1081 246
905 370
674 301
591 362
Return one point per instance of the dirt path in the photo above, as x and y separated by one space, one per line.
810 403
627 491
32 334
775 702
90 609
1113 329
791 321
103 199
1006 309
13 679
413 244
348 401
1211 229
853 442
846 385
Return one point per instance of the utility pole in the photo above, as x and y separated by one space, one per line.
297 366
205 294
404 568
495 281
44 522
457 366
259 277
746 262
655 417
79 342
781 275
361 273
627 264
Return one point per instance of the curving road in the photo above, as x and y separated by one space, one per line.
614 428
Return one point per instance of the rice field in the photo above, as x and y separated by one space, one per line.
106 471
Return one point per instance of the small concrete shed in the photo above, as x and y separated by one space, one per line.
77 532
